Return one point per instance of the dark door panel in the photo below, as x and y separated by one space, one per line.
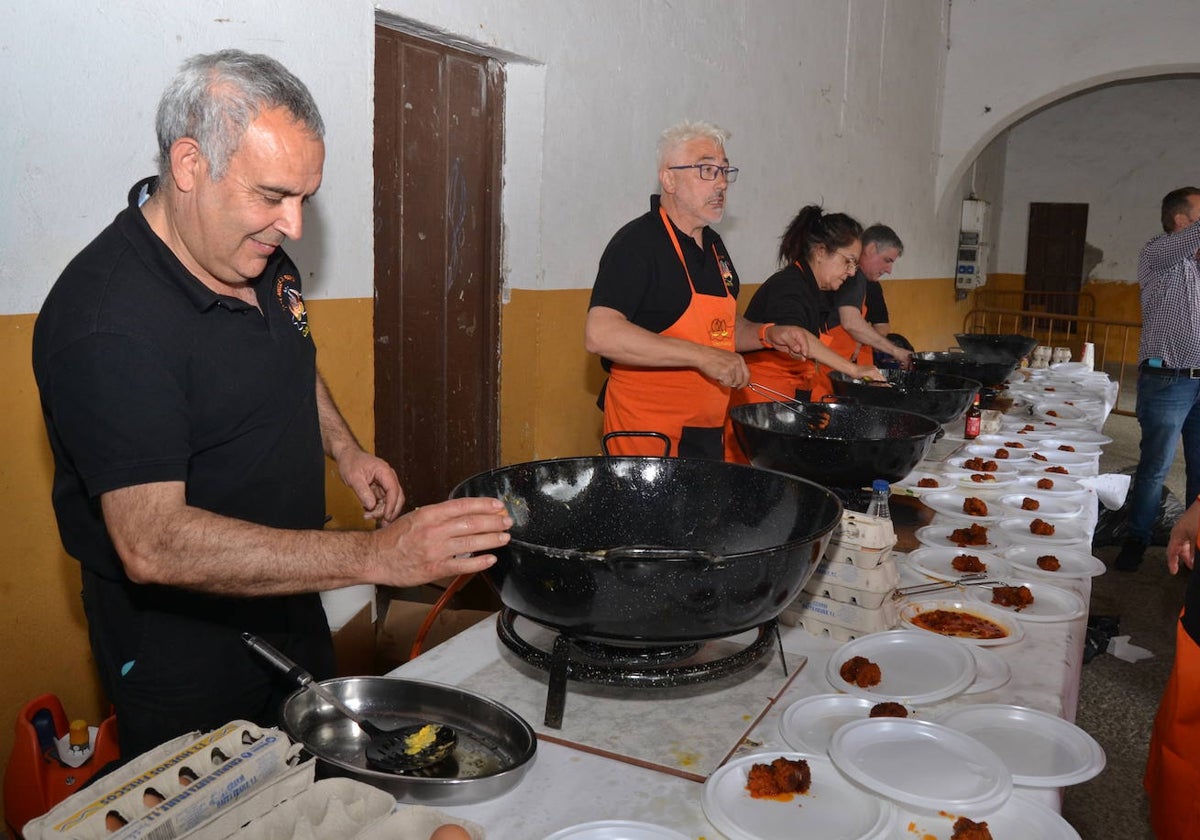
1054 257
437 280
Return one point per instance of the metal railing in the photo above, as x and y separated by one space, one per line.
1068 303
1116 342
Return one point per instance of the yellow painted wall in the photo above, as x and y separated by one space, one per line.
925 311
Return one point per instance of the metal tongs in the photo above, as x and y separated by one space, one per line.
777 397
971 579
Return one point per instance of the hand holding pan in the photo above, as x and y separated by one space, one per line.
397 750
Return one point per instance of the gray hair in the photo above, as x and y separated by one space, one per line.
214 99
685 132
883 237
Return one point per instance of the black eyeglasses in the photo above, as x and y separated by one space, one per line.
708 171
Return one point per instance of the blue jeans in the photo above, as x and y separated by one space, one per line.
1167 407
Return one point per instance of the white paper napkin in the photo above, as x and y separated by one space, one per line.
1119 647
1110 487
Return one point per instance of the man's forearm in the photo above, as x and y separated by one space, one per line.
162 541
336 434
862 332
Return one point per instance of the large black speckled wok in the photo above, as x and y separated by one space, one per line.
940 396
654 550
990 372
834 444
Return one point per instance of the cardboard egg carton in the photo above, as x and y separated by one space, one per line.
861 540
210 784
883 577
816 613
332 809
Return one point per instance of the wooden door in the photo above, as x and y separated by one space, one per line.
437 262
1054 257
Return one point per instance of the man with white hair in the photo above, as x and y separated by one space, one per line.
663 313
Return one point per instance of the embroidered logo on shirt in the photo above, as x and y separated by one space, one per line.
726 271
287 292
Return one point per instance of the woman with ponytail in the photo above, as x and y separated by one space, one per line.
819 251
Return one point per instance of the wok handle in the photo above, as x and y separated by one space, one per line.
269 653
666 441
635 553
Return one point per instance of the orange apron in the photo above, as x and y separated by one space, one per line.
681 403
779 372
846 346
1173 768
771 369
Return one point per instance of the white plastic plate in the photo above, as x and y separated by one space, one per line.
999 483
1049 602
996 441
951 504
616 830
936 562
922 764
1073 563
1087 435
1050 457
1002 467
1065 533
832 808
909 483
1018 817
938 536
991 670
1063 486
916 666
1011 626
1039 749
988 452
1049 507
808 724
1087 447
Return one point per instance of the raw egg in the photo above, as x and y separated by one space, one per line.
450 832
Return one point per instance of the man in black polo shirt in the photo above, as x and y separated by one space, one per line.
663 314
854 334
188 421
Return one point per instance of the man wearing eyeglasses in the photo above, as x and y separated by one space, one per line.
853 335
663 314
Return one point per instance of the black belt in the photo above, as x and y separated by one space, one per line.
1186 373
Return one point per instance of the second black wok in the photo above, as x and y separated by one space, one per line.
941 396
834 444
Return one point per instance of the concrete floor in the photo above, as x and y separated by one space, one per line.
1118 699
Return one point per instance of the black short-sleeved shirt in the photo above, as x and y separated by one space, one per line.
850 293
640 275
877 311
146 375
791 296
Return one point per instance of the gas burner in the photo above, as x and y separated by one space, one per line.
592 653
628 664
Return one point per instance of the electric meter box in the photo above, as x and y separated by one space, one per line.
971 254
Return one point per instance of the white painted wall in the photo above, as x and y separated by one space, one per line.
831 102
1118 150
1008 58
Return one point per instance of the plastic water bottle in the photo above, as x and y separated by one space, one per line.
880 490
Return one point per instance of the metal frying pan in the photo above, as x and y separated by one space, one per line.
401 750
